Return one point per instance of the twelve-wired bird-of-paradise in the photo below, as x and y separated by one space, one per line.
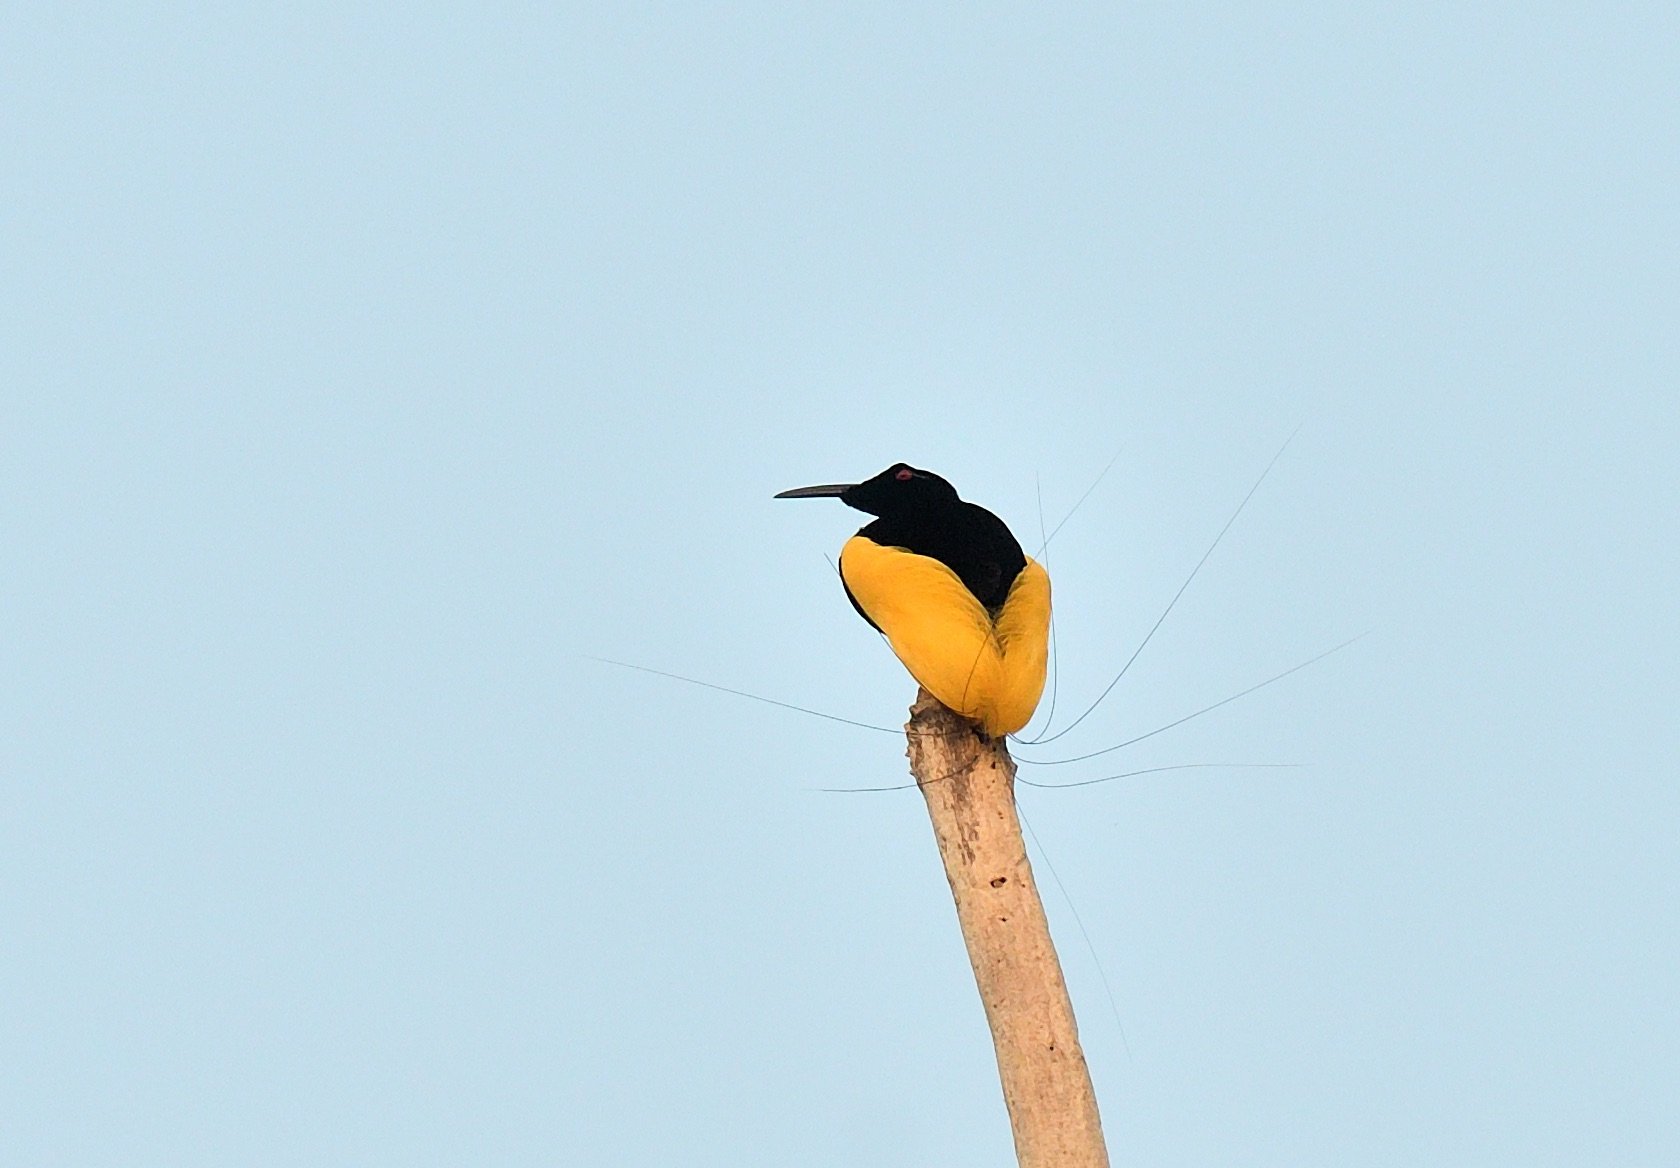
965 610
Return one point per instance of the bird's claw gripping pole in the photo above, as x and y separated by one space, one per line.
968 781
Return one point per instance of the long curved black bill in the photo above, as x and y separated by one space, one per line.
828 491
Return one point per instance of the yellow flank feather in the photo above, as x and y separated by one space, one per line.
989 670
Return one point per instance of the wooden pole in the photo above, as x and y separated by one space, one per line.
969 784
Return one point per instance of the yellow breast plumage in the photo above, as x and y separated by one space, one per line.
985 667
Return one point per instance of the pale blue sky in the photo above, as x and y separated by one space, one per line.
367 369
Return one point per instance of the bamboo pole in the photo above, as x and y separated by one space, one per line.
969 784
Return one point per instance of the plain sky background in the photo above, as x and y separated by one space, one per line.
366 369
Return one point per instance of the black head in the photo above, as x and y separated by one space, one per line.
901 489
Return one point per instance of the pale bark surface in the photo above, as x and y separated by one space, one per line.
969 785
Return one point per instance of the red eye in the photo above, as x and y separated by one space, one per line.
905 475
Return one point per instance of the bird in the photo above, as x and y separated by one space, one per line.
964 609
